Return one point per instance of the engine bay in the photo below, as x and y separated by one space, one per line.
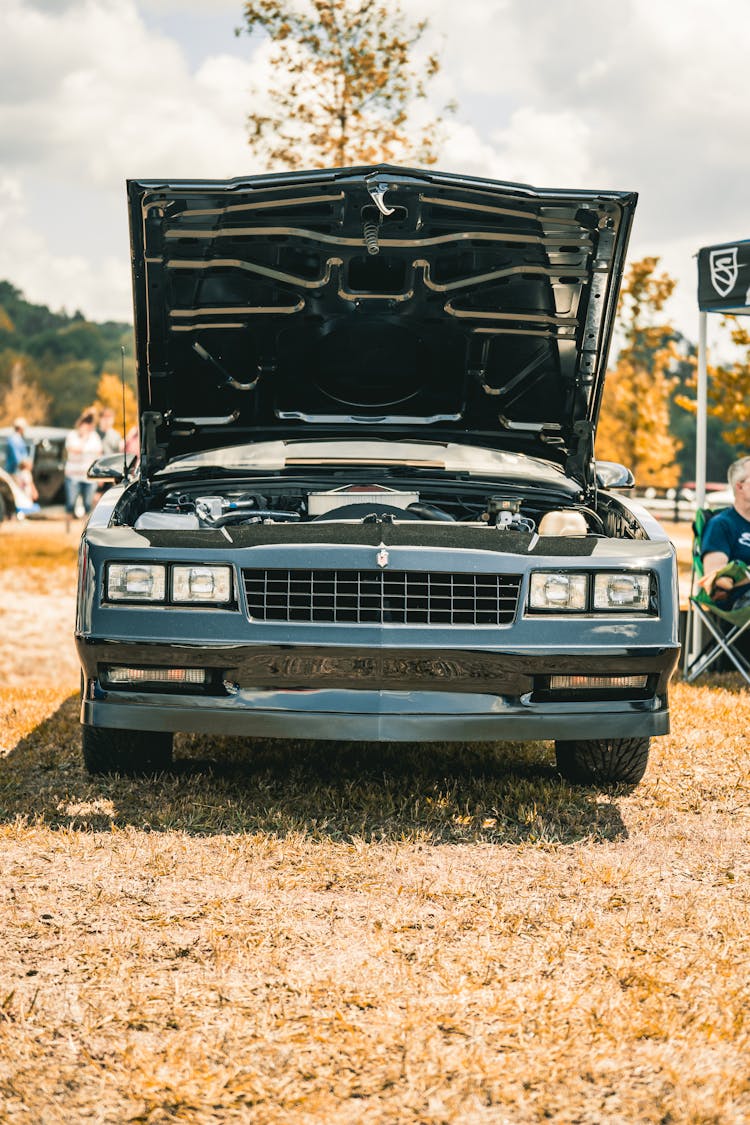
210 504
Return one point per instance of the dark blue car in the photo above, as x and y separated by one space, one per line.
367 503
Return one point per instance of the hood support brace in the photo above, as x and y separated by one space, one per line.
580 464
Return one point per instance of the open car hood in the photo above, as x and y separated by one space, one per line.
373 301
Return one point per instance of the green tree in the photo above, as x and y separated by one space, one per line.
63 356
72 386
346 79
634 425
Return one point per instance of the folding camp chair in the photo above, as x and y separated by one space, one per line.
725 626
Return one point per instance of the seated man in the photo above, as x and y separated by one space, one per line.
727 538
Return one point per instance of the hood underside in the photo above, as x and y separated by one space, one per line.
384 300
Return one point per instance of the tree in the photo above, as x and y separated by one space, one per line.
345 82
109 395
21 396
728 391
634 421
72 387
7 326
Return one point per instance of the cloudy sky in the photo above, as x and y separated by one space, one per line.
650 95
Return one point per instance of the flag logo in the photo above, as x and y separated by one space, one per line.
724 270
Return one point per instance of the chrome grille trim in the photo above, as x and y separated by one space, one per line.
377 597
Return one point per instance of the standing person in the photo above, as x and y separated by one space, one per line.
727 539
82 447
111 440
17 449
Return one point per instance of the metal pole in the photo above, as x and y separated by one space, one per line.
695 641
701 415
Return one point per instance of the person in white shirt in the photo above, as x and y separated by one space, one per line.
82 447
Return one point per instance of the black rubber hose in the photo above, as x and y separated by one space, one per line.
430 512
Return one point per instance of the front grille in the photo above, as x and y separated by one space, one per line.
366 597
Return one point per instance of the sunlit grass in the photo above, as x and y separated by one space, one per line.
345 933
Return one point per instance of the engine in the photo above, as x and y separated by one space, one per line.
204 506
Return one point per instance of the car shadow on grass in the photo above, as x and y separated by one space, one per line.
439 793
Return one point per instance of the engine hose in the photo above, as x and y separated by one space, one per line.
430 512
594 516
251 515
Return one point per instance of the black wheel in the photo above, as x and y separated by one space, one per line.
4 508
129 752
603 761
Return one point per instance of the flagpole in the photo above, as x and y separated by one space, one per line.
695 641
702 414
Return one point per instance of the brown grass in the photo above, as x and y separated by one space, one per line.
306 932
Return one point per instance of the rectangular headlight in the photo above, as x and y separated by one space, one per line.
136 582
620 591
558 592
202 584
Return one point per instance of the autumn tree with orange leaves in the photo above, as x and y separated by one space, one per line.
347 77
111 395
728 392
634 420
21 396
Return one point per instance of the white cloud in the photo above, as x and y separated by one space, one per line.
68 281
108 98
546 148
645 96
88 97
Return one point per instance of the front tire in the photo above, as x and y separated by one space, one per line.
603 761
133 753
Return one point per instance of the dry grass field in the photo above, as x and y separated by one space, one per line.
315 933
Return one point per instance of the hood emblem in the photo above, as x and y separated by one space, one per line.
382 557
724 270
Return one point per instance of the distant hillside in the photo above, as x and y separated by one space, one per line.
64 355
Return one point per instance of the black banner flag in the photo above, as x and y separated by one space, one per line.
724 278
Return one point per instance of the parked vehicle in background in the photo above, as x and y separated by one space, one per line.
47 445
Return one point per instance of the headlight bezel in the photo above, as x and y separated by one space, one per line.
222 570
540 582
597 598
117 588
166 589
601 598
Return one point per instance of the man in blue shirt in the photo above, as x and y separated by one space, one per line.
727 538
17 449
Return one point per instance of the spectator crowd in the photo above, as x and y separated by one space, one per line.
94 435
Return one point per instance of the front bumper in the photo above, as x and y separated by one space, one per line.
410 695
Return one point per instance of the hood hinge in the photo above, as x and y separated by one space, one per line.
581 464
152 454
